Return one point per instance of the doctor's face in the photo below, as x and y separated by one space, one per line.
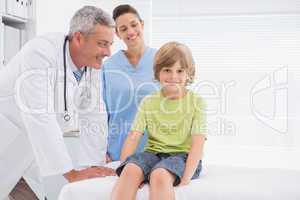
95 46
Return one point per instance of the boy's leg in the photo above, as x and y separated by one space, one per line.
128 183
165 175
161 184
132 173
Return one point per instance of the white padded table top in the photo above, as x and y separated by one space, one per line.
215 183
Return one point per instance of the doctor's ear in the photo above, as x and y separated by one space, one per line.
77 38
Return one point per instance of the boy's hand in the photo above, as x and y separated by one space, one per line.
184 181
141 185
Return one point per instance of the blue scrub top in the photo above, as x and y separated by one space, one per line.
124 86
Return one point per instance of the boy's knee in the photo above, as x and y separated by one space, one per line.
161 176
131 169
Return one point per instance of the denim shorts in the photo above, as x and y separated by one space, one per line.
148 161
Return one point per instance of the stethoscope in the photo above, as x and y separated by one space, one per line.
67 117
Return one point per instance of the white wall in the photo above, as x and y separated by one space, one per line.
55 15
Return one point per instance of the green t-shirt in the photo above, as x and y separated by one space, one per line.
170 123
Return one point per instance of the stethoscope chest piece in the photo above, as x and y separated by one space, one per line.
67 117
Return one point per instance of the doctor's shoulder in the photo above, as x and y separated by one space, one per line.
45 47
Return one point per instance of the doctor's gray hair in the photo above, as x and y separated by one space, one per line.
86 18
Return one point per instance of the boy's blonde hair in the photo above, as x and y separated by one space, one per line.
169 54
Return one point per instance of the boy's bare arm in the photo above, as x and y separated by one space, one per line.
195 155
130 144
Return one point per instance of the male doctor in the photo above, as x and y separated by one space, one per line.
51 88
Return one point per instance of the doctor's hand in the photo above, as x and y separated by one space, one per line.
91 172
106 171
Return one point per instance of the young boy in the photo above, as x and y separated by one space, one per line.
175 121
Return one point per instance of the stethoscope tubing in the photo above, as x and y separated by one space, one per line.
67 117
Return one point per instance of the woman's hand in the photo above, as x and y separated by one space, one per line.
108 159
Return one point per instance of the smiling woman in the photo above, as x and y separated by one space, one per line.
127 77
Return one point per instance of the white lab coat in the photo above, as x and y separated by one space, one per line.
33 81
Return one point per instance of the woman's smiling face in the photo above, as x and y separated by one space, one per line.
130 29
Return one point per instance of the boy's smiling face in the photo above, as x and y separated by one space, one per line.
173 79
